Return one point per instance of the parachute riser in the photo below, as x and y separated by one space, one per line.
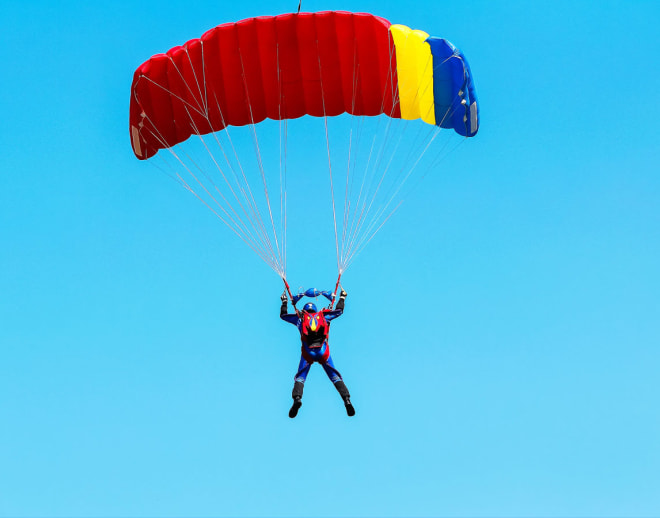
288 290
334 293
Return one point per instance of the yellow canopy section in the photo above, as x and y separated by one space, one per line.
414 64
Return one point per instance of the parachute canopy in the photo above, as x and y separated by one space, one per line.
236 88
283 67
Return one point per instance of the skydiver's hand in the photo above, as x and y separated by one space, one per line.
283 298
343 294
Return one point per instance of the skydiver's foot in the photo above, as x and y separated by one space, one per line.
297 403
349 407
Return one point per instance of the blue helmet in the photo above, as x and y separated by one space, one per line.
309 308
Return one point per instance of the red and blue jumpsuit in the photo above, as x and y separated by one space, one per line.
315 348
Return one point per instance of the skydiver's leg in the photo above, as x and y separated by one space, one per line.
298 385
297 399
331 371
335 377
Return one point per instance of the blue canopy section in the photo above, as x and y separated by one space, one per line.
453 90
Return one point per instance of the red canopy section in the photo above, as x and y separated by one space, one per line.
277 67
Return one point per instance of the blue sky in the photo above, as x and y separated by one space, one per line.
501 333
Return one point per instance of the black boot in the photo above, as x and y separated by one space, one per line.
293 411
297 398
343 392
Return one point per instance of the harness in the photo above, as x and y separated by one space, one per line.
314 328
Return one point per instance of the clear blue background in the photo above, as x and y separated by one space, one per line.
501 334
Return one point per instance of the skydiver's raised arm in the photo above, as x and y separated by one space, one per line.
339 309
284 307
291 318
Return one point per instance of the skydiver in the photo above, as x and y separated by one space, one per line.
314 328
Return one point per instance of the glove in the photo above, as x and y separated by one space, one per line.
343 294
283 298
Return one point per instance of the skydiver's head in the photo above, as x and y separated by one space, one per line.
309 308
